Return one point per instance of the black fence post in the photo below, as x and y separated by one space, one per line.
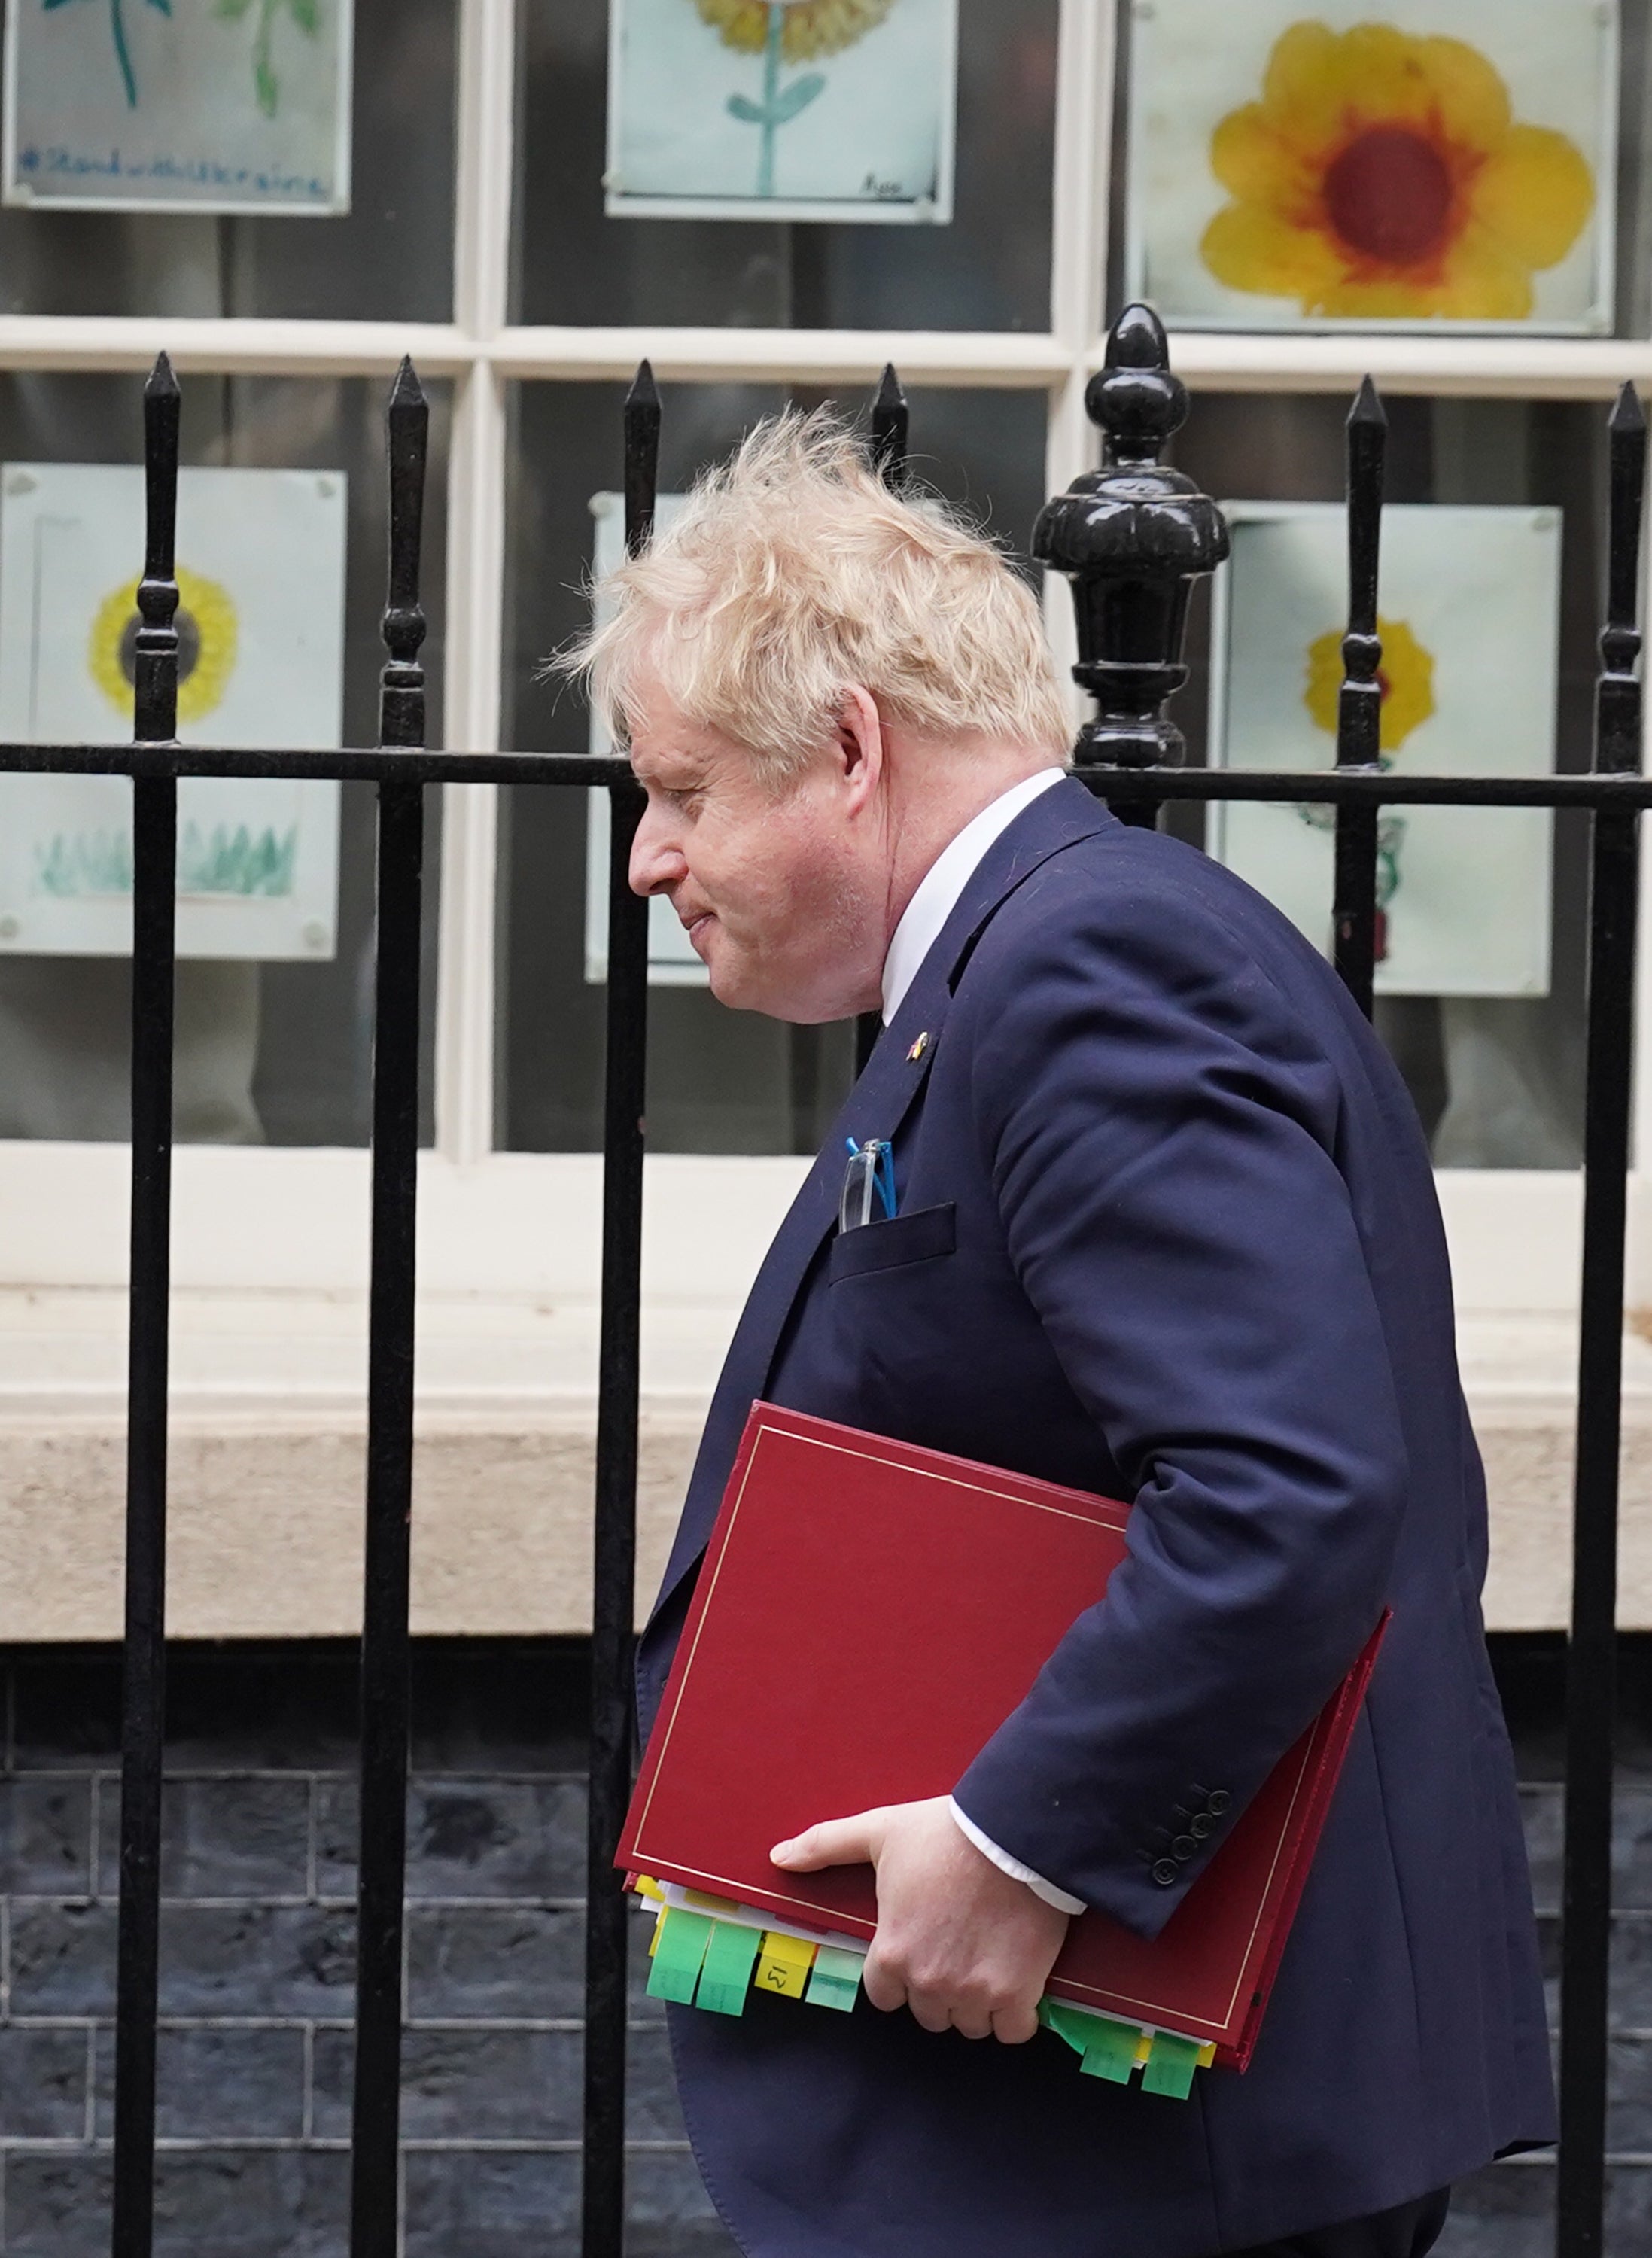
614 1567
1354 913
143 1660
386 1689
1592 1655
1132 537
891 424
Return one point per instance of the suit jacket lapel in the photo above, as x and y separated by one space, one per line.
876 1107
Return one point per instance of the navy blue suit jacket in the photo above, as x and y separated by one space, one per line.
1167 1230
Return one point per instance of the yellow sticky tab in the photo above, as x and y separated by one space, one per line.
1206 2054
784 1964
1144 2046
649 1888
703 1901
654 1940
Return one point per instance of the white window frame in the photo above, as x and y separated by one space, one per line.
256 1228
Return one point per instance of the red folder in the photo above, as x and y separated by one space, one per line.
866 1615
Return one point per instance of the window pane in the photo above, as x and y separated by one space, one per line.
720 1080
276 1053
989 270
1498 1080
389 259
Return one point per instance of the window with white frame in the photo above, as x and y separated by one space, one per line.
477 242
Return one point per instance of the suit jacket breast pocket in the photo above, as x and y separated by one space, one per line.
918 1237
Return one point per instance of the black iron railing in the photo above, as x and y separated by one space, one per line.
1133 536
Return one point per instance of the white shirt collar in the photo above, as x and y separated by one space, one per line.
944 880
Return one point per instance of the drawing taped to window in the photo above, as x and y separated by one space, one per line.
215 105
261 631
781 110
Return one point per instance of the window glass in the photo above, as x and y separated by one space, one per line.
389 259
1496 1080
718 1080
990 269
276 1052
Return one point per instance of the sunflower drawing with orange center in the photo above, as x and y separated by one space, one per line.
1384 176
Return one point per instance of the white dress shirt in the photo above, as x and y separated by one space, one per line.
916 934
946 878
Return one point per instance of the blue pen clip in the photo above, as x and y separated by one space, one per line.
869 1178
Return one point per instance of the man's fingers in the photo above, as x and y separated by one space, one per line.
881 1986
833 1843
1015 2026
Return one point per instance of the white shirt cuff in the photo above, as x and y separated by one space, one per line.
1063 1900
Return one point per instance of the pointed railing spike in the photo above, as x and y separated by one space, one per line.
401 717
1620 637
1359 916
1360 707
155 654
891 422
641 440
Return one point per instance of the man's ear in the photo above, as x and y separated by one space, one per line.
860 747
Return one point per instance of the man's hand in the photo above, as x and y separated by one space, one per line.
961 1943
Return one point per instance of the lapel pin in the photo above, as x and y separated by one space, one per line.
920 1046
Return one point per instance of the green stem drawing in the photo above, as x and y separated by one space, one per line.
775 109
267 84
122 53
122 56
771 94
263 78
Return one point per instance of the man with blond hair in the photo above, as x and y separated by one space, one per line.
1164 1230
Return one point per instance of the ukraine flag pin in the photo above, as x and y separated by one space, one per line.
920 1046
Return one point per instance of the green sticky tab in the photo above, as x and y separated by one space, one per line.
1066 2023
675 1969
730 1957
835 1979
1110 2049
1170 2066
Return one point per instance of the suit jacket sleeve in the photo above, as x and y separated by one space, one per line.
1161 1126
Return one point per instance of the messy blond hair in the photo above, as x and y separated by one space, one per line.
792 572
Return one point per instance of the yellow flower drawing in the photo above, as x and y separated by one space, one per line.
809 28
1383 175
206 625
1404 676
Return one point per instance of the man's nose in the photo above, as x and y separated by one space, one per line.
656 861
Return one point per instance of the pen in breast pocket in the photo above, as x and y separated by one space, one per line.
868 1181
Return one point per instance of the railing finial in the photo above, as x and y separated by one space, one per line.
890 423
402 681
155 654
1618 692
1132 537
1359 703
642 458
